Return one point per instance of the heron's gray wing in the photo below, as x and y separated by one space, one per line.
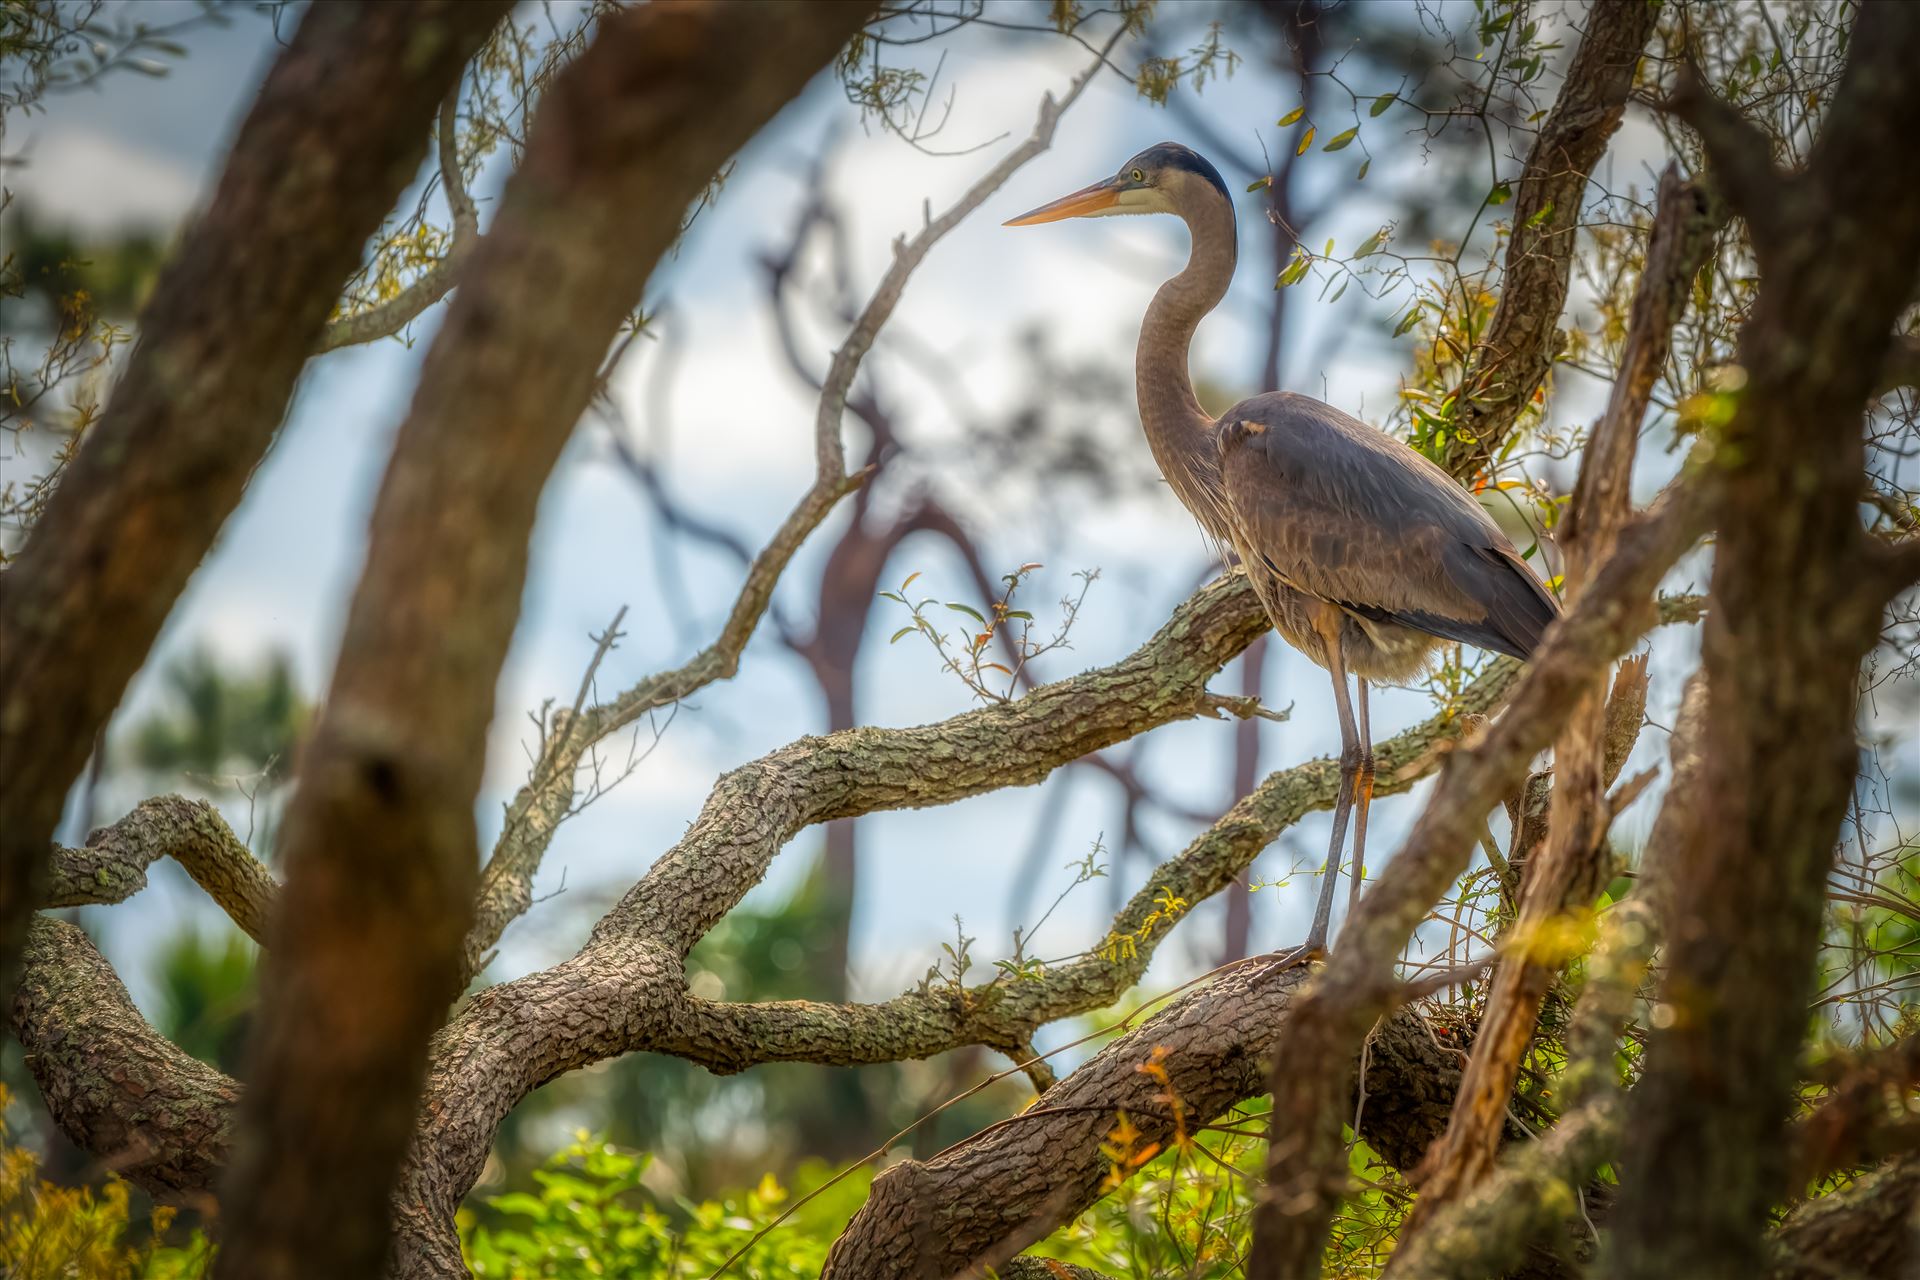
1347 514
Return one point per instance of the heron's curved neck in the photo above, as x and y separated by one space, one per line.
1178 430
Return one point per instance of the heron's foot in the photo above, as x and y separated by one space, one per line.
1306 953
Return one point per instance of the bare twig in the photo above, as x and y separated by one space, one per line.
433 283
506 882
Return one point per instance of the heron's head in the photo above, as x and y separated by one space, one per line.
1165 178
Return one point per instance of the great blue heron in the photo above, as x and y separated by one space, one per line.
1366 556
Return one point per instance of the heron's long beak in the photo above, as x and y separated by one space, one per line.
1100 196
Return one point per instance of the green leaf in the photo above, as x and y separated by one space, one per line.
1306 140
969 611
1501 193
1337 292
1381 103
1342 140
1371 245
1021 614
1258 183
1328 251
1408 321
1364 166
895 639
1546 211
1295 272
1292 116
519 1202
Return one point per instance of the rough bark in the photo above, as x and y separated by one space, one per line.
112 865
1869 1230
1872 1113
1796 603
114 1085
1574 866
620 996
1012 1184
1487 1227
1521 342
337 132
367 948
1307 1166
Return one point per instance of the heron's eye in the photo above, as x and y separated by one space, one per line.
1137 176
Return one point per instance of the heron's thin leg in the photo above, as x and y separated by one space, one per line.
1349 765
1362 797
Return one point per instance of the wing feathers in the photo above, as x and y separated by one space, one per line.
1351 516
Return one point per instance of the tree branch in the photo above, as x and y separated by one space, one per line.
227 330
1571 870
1307 1165
432 284
1005 1013
112 866
1864 1229
1872 1113
1510 364
1792 618
380 832
154 1115
506 884
1486 1228
1740 155
1901 367
619 997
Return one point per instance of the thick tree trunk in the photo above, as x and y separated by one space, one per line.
380 841
338 131
1794 607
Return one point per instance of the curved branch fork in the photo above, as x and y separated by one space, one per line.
625 991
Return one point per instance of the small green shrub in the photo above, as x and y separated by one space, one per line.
593 1216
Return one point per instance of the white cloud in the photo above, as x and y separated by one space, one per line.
97 182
